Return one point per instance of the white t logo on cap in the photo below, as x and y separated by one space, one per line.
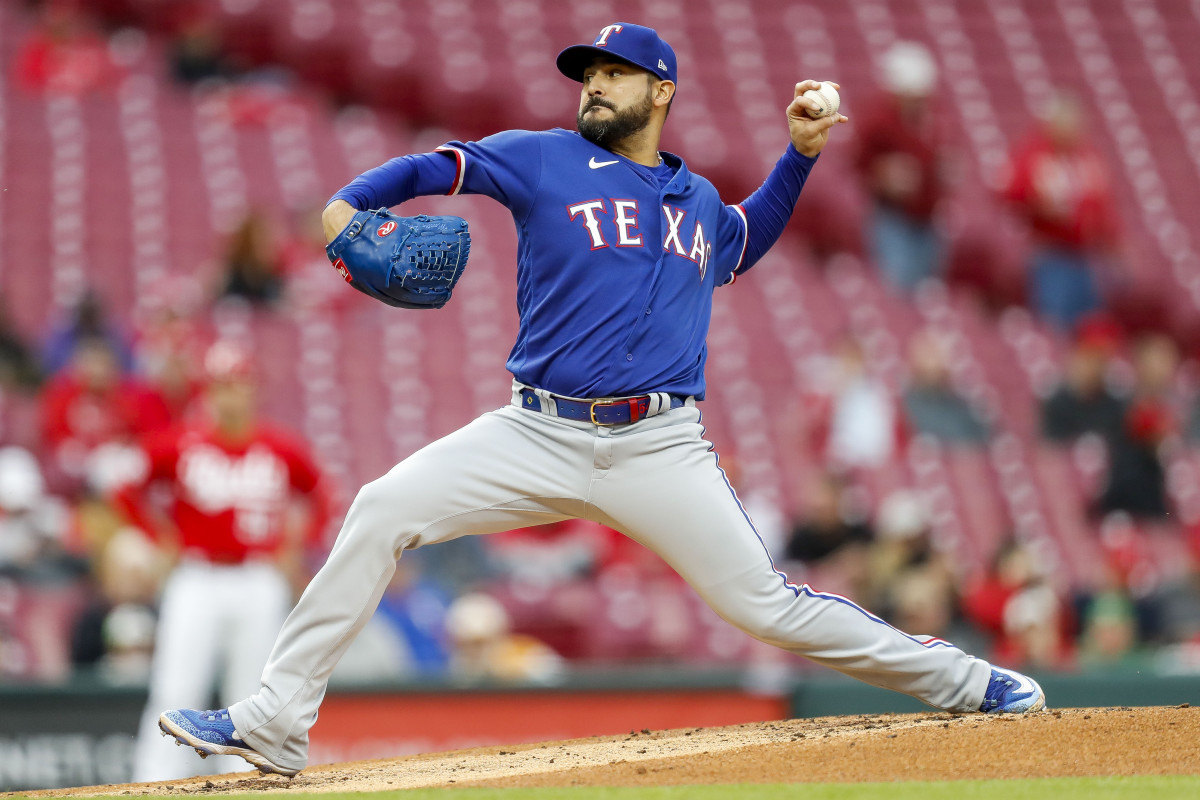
602 39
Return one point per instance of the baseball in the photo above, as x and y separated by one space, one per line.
826 97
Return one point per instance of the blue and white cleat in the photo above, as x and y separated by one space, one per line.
1010 692
211 733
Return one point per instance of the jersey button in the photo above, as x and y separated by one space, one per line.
647 311
629 356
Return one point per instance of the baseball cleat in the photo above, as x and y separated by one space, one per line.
212 733
1010 692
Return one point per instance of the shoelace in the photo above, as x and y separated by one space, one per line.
991 701
215 716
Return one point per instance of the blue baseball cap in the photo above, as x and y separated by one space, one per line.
623 41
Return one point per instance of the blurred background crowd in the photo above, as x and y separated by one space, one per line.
962 390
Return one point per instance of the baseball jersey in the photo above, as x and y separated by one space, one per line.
228 500
615 268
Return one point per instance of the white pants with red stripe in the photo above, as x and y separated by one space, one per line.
657 481
216 624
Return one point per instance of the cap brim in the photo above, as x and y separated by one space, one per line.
576 58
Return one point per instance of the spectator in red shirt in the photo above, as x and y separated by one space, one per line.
232 482
1016 605
1060 185
900 163
63 54
91 414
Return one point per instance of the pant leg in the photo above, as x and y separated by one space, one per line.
664 490
507 469
187 648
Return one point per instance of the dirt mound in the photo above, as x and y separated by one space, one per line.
1098 741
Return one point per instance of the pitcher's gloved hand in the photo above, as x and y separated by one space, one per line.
407 262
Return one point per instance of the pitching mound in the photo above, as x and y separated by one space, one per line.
1070 742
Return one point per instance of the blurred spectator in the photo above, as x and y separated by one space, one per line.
1192 431
1176 607
1084 402
197 52
832 533
415 609
88 319
230 485
115 633
19 370
924 600
1129 560
931 404
549 554
1156 366
64 54
169 354
1109 636
33 525
900 163
1016 605
1136 480
485 649
910 581
1060 185
407 634
91 415
854 421
250 267
903 543
460 564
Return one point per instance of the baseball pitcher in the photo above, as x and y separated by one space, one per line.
620 247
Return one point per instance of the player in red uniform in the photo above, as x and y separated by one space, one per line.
232 483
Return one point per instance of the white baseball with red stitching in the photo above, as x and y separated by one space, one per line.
827 98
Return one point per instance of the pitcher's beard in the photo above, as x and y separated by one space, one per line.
620 126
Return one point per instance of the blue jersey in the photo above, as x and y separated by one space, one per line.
615 269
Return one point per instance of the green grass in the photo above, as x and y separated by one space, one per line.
1124 788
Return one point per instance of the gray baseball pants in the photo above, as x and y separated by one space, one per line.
656 480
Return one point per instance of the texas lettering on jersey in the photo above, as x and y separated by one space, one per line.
623 229
616 261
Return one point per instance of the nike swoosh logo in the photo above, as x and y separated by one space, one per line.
594 164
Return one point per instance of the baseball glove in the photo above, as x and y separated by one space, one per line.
406 262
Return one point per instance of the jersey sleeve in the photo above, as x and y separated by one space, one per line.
763 215
732 238
506 167
398 180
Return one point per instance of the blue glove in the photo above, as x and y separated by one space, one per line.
406 262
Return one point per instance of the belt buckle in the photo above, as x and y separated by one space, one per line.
592 413
632 403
